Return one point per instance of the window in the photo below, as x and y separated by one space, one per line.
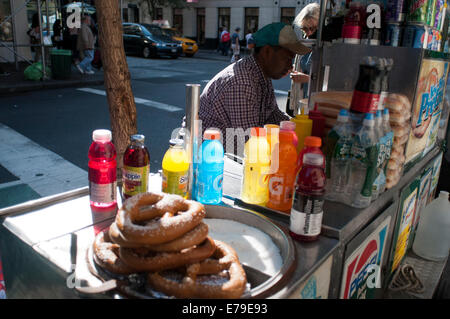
159 14
131 29
201 26
287 15
6 31
178 20
251 20
125 14
224 18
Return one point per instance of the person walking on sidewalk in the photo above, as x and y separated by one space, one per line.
235 45
85 45
225 41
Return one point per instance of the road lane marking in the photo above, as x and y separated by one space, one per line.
44 171
156 105
281 92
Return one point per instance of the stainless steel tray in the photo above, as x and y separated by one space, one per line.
261 284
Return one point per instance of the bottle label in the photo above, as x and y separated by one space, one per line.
369 158
135 179
102 193
365 102
209 185
342 150
306 215
175 182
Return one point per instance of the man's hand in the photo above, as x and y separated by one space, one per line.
299 77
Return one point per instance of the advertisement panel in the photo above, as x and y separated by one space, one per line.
437 162
362 269
408 201
317 285
427 107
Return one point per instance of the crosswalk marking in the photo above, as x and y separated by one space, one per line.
154 104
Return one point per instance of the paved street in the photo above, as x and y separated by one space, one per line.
45 134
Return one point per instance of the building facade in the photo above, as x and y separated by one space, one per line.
201 20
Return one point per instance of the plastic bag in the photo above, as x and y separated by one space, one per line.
34 72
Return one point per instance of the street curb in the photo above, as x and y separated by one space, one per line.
12 89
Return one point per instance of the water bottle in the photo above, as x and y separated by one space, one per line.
210 169
338 156
364 155
388 140
432 239
102 170
380 160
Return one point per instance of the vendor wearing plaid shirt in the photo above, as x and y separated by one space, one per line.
241 96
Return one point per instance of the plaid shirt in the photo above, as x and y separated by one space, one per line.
240 96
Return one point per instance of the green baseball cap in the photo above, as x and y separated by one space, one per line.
280 34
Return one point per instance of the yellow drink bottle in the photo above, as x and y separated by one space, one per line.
303 127
175 166
272 131
256 168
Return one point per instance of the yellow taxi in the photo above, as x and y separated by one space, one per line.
189 46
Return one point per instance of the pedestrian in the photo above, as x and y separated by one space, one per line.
305 25
35 37
219 46
225 39
86 45
242 96
235 45
57 38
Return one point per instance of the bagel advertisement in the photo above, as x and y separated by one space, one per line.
427 107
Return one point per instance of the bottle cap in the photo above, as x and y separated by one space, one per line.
313 159
102 136
258 131
378 114
386 112
312 141
176 142
287 125
368 119
137 138
272 129
343 115
212 134
286 136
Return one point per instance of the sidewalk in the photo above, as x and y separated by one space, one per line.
14 81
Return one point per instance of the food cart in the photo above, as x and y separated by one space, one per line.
45 243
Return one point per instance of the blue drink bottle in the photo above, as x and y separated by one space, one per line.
210 169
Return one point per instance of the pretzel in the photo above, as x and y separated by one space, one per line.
106 255
225 277
145 260
193 237
149 218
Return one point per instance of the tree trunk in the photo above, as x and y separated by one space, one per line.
122 109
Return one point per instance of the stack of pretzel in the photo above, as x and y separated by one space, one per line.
163 235
400 119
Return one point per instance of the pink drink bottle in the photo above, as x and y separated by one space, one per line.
102 170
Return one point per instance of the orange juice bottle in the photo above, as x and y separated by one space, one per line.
256 168
303 127
282 182
175 167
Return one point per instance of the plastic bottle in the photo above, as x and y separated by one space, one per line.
307 209
366 95
339 143
290 127
102 170
389 139
272 132
256 168
380 159
175 167
282 183
364 153
312 144
303 127
432 239
318 119
210 169
136 167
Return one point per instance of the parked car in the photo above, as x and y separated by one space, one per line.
189 46
149 41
